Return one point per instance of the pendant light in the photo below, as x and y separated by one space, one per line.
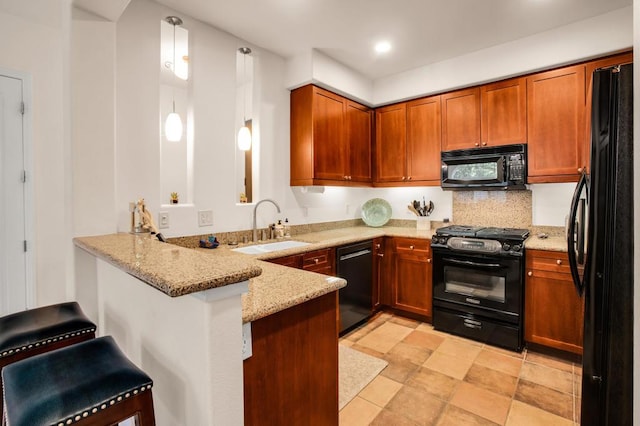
244 134
173 123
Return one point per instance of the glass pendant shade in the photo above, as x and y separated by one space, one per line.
244 139
173 127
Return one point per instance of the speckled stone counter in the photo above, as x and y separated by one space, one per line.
174 270
280 287
555 238
551 243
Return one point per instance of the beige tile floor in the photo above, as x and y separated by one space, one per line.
434 378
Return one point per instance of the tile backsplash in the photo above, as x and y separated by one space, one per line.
509 209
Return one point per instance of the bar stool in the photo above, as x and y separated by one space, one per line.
90 383
35 331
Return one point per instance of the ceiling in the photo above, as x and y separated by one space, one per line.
421 31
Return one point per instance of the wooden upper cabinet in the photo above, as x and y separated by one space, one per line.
329 151
461 119
504 112
330 139
358 130
391 143
555 124
408 137
424 134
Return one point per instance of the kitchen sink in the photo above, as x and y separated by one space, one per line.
269 247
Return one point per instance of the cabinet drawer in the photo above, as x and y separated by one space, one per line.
417 246
319 261
294 261
551 261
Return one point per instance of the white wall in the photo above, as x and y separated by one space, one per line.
581 40
35 36
597 36
93 135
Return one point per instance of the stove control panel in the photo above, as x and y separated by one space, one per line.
477 245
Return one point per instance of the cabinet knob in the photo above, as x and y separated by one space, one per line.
484 144
530 273
411 247
349 177
380 254
409 178
378 246
404 178
559 262
428 260
580 169
476 144
316 260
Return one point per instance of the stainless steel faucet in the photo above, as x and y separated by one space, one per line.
255 229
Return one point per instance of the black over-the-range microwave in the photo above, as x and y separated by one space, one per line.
485 169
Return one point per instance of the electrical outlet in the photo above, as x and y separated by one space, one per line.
205 218
246 341
163 220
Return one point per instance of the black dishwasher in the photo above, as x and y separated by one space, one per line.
355 264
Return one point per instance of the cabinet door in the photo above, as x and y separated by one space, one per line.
412 281
554 313
391 143
329 152
461 119
504 112
555 117
424 134
358 143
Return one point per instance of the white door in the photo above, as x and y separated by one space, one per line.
13 264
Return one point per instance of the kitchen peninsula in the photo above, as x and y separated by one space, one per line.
178 311
178 314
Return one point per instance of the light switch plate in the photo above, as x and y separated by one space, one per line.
163 220
205 218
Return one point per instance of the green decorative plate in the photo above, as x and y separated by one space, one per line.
376 212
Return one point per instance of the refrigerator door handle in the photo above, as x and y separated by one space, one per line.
574 220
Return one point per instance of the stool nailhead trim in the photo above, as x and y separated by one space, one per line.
47 341
102 406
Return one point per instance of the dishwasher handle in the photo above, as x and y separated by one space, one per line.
355 254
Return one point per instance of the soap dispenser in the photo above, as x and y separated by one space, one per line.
287 228
279 230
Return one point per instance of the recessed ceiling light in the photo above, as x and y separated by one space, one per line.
383 46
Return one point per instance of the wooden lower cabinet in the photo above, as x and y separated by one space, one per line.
292 377
411 286
293 261
321 261
554 313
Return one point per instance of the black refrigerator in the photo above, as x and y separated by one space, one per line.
600 245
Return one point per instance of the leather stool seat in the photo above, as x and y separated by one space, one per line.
91 382
35 331
37 328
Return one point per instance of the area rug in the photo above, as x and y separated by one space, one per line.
355 371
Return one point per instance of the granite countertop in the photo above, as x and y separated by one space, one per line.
174 270
555 240
177 271
279 288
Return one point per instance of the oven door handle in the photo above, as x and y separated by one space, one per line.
470 263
